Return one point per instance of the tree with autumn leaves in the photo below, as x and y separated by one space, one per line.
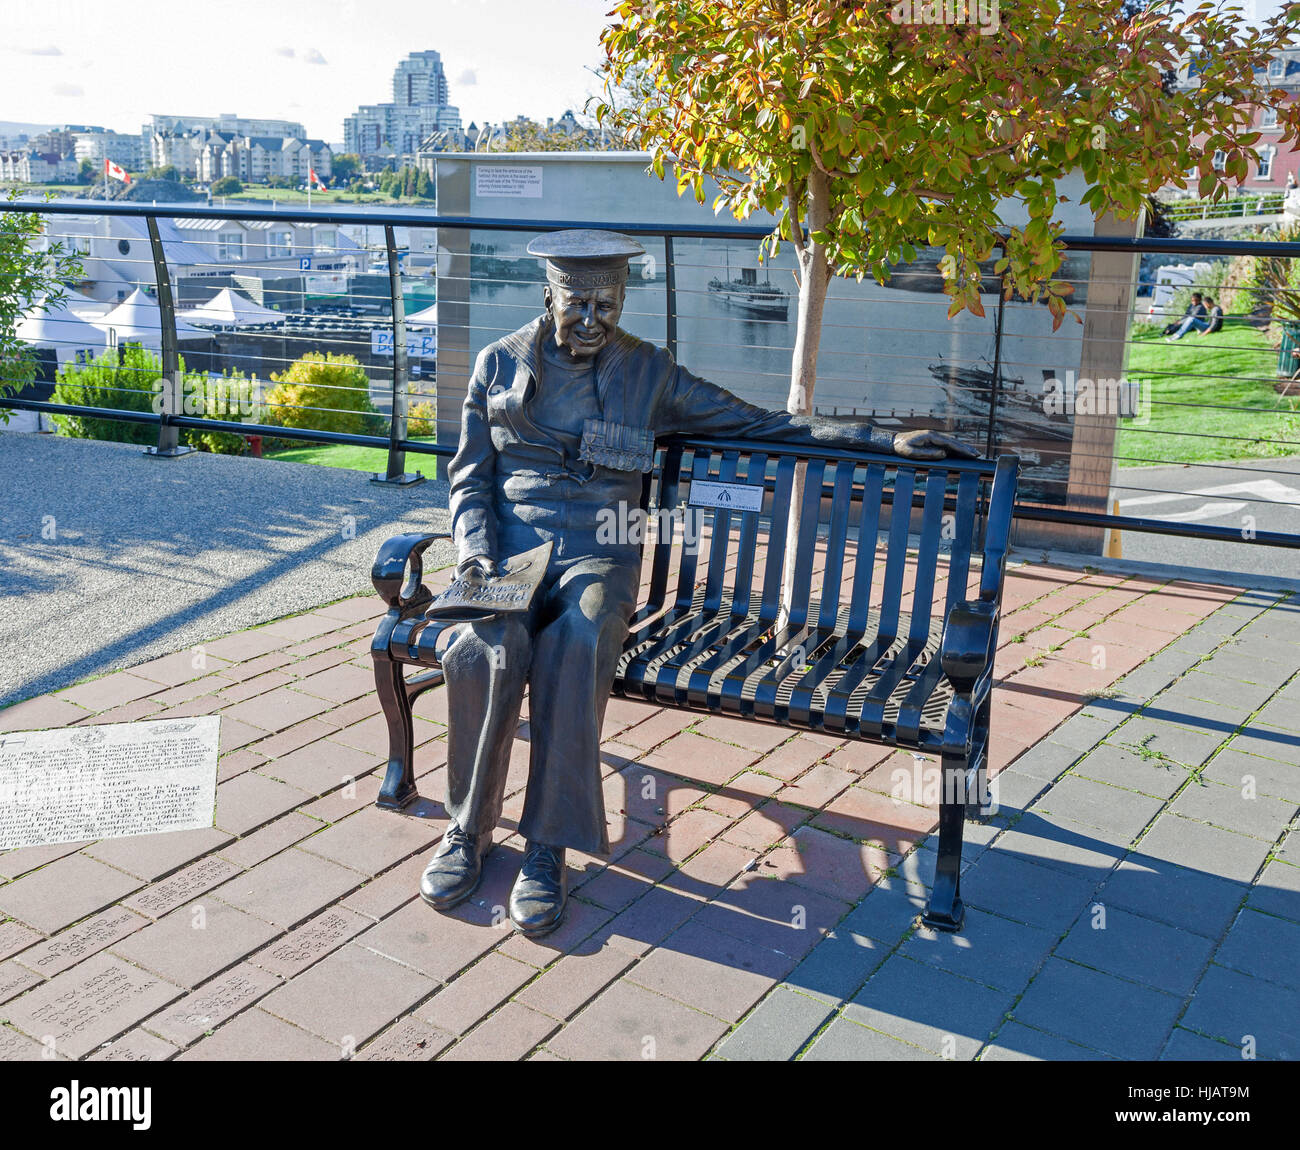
868 131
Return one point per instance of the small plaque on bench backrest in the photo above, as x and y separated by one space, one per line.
726 496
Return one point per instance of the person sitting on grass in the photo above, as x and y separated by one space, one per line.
1196 317
1192 307
1214 318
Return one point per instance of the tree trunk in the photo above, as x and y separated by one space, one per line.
814 277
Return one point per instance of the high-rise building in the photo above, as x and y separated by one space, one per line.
382 133
419 79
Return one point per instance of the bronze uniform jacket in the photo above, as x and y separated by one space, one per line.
509 477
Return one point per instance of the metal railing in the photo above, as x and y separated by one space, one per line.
680 244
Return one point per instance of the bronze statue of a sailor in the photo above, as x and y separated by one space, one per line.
559 425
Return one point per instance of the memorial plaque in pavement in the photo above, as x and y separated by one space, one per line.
89 1005
107 781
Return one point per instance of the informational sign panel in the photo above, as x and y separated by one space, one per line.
108 781
419 345
514 180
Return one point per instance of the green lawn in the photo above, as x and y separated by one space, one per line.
356 458
1190 383
332 196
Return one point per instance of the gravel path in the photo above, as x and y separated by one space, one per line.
109 558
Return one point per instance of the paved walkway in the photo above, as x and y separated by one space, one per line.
1136 895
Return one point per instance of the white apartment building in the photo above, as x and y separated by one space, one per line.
101 144
25 166
208 154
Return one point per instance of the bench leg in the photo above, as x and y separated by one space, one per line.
946 911
978 774
399 789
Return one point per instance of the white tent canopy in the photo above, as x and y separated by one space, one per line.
137 319
60 328
86 307
230 309
426 317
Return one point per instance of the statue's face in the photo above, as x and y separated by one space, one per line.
585 318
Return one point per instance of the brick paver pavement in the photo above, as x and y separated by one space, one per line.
1135 895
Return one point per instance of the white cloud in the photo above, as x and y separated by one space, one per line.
70 90
48 50
468 78
284 51
313 56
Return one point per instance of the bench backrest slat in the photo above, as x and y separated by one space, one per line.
720 538
900 518
833 576
776 539
743 584
692 524
669 491
927 556
864 560
968 486
801 584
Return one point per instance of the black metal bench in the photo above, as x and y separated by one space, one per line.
840 656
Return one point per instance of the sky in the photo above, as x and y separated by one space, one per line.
314 62
310 61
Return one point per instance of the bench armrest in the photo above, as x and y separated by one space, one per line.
997 528
966 649
401 589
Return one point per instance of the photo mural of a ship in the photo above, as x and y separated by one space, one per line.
749 297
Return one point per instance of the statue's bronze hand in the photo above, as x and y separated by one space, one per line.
931 445
479 568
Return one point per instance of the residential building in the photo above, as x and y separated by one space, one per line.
1277 162
100 144
228 122
208 154
393 133
28 166
116 257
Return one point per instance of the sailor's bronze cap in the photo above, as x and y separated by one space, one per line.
585 257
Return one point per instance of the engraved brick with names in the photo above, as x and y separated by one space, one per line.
310 942
89 1005
157 900
56 954
212 1004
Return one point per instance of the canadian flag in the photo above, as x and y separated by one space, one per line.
315 180
117 172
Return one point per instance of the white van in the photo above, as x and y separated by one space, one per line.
1169 279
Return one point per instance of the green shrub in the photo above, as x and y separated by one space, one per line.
123 379
132 381
324 392
226 186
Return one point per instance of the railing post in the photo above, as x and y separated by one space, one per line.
670 290
995 384
396 474
169 444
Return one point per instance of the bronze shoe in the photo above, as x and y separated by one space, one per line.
538 898
455 869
